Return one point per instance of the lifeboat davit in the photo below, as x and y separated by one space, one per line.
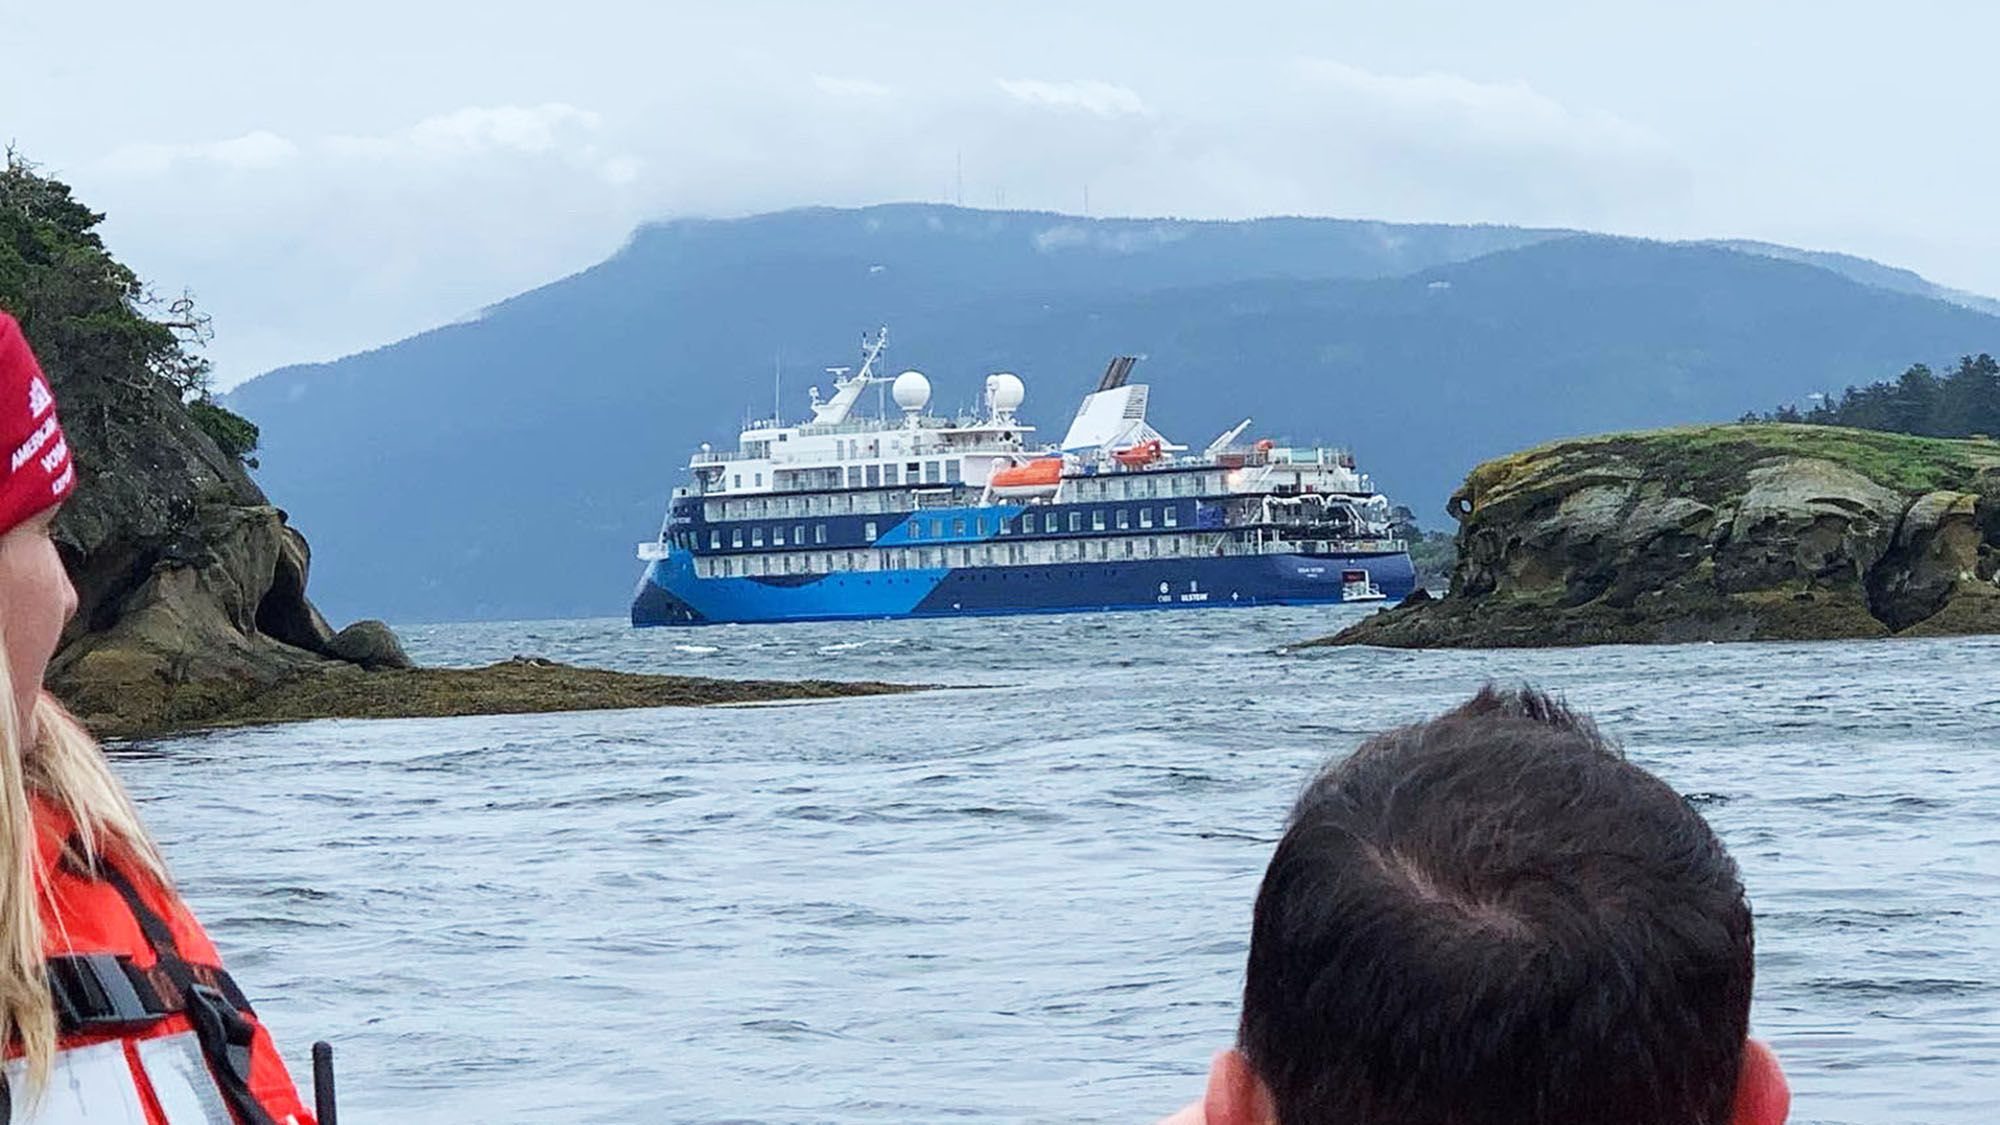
1032 479
1145 453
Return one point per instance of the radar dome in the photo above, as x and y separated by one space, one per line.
911 390
1004 392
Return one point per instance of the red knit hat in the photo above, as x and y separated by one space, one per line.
37 473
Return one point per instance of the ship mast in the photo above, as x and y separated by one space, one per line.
847 390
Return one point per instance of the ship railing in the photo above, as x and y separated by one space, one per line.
1274 546
925 498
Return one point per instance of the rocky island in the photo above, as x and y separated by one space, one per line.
1716 533
191 584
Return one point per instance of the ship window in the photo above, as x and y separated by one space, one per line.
1002 526
758 482
1049 522
738 481
798 535
819 533
715 540
980 528
1124 519
777 537
1145 517
1128 547
951 471
930 472
854 476
958 526
868 531
911 471
1097 519
757 536
1170 515
874 476
736 537
937 529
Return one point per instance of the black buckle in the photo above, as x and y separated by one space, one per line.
223 1032
95 990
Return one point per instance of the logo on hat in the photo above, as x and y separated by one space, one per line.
39 398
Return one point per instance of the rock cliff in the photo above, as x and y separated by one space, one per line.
1716 533
191 586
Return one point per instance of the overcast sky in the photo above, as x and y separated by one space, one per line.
328 178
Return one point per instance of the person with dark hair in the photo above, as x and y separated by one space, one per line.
1493 918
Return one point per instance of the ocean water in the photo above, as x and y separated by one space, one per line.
1024 898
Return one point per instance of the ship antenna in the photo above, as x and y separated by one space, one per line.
777 387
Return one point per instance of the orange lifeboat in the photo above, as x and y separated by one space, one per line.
1032 479
1145 453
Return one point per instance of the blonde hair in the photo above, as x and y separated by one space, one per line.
66 767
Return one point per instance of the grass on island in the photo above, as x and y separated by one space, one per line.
1702 456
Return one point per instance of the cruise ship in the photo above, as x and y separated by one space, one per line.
841 516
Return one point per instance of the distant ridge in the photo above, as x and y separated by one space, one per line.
1865 271
503 467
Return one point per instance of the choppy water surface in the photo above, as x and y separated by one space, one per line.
1026 900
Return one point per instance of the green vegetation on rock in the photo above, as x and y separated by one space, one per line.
84 311
1730 532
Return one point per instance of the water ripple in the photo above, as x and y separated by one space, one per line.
1017 902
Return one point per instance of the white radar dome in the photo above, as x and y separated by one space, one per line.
911 390
1004 392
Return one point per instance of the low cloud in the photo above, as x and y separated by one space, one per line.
250 152
851 87
1104 99
473 130
310 247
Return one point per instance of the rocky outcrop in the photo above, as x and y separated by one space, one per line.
370 644
191 586
1739 532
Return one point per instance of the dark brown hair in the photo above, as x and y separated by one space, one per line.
1492 918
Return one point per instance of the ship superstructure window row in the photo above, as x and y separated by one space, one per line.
1016 553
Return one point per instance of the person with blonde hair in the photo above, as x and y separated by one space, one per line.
114 1006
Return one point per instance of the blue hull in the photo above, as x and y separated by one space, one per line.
671 594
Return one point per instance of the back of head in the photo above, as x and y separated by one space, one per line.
1493 919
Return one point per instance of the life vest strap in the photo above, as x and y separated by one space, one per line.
106 992
214 1005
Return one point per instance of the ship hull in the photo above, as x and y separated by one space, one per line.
671 594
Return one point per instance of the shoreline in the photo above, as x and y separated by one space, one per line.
520 686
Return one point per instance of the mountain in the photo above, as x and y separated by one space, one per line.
504 467
1866 272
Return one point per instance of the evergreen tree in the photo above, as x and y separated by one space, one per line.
1962 403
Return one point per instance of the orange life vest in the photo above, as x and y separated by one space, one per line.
153 1031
